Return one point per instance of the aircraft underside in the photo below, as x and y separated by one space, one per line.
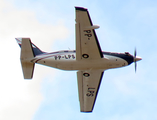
88 59
66 63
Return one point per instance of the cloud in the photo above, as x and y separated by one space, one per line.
21 98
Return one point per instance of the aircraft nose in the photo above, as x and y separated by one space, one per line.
138 58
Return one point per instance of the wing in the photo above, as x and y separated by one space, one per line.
87 44
88 85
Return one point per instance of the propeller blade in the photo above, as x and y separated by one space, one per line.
135 59
135 66
135 53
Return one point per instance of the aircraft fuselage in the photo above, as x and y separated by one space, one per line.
66 60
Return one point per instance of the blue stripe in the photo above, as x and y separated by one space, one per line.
127 57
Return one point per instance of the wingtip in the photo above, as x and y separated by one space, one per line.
80 8
86 111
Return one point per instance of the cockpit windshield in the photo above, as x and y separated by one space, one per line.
127 53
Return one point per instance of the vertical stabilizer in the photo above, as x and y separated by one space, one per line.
36 50
27 55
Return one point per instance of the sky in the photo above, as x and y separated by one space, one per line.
53 93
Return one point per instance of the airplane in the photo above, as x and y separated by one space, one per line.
88 59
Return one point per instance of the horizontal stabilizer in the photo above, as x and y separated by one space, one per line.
28 69
26 56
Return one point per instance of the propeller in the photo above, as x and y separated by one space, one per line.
135 60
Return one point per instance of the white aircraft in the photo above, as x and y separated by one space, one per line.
88 59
